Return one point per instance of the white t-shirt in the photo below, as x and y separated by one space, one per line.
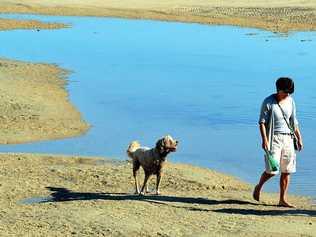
270 108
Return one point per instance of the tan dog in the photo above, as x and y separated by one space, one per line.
151 159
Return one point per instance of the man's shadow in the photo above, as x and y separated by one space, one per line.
276 212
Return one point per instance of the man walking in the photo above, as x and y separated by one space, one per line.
278 125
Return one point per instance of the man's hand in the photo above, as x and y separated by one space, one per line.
300 144
265 145
299 138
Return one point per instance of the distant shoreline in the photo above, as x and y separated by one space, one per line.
281 18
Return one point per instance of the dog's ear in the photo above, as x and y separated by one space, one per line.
160 144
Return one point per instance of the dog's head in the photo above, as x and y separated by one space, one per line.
166 144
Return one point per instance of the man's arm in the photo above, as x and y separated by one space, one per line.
299 138
265 142
296 128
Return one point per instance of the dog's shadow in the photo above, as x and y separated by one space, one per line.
66 195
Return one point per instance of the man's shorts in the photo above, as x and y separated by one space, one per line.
283 151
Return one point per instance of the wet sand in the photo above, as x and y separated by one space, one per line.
11 24
94 197
34 104
273 15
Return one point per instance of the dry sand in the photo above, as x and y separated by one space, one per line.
94 197
274 15
34 104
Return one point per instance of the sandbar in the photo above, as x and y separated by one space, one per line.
12 24
35 104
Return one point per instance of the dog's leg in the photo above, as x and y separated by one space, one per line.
145 183
146 188
136 166
158 182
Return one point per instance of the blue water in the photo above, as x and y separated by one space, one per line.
135 79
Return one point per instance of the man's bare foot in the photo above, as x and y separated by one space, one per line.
256 193
285 204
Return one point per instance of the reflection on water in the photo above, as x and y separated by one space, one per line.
202 84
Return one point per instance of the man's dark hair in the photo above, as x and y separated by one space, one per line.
285 84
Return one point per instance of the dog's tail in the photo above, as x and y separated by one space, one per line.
132 147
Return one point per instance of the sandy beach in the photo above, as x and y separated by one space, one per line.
34 104
94 197
273 15
49 195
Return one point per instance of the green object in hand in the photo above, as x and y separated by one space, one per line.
274 165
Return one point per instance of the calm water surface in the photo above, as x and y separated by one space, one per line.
204 85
